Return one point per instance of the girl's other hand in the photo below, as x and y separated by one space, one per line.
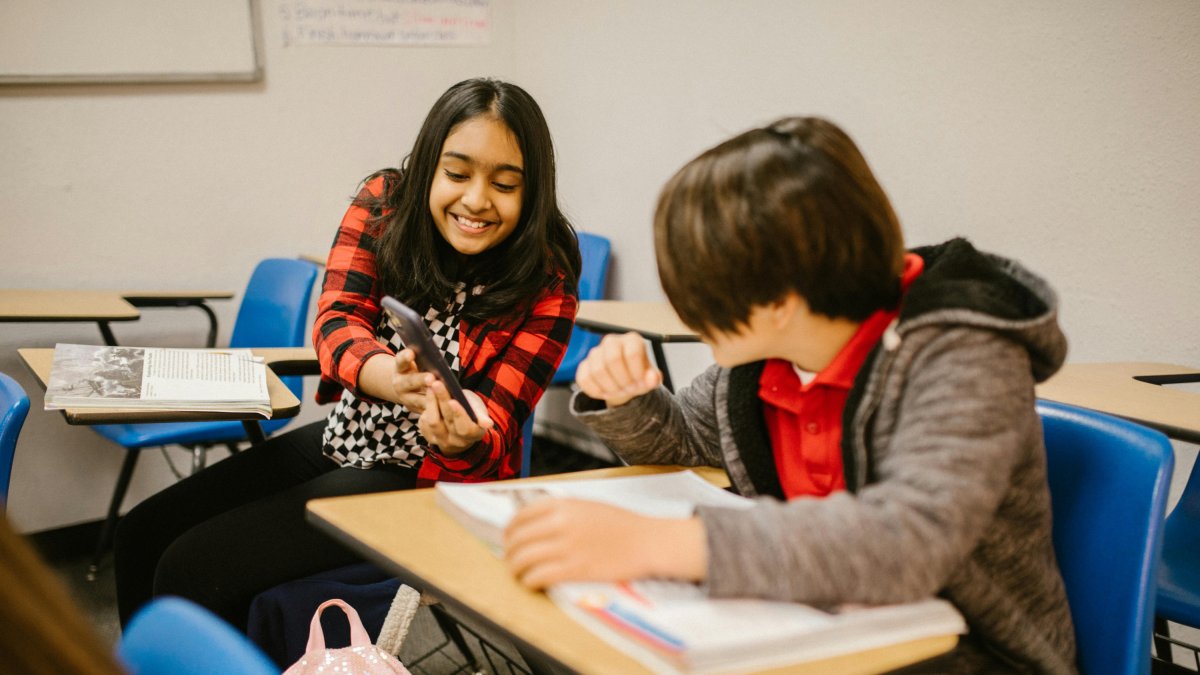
618 370
555 540
445 424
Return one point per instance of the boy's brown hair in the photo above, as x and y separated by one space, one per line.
791 206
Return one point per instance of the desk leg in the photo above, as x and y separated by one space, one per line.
661 359
114 507
254 431
106 331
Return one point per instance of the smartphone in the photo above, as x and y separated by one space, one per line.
416 337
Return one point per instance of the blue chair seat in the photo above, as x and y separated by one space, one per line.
180 433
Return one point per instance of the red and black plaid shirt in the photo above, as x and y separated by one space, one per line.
507 361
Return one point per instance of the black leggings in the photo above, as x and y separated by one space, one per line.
237 528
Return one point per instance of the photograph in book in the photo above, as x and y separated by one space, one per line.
220 380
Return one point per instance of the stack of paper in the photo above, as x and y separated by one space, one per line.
673 626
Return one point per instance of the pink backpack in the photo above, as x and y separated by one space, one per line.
360 657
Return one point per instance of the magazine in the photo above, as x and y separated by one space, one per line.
217 380
674 627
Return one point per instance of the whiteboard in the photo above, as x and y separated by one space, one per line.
72 41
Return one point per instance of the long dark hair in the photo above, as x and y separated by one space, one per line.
419 267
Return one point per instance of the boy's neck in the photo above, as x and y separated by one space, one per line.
817 340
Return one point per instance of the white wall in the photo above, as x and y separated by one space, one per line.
1063 134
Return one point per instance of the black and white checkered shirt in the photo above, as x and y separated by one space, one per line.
361 433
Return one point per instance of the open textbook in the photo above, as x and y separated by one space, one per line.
673 627
221 380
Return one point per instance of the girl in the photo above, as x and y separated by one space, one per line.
467 231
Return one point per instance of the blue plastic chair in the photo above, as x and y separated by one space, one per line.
1108 483
595 250
526 445
14 406
173 636
1178 597
273 313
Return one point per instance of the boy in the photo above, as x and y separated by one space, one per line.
879 404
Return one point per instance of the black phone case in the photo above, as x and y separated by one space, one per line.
416 337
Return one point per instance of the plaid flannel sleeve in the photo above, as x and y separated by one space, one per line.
348 307
509 369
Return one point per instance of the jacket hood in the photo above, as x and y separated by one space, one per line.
961 285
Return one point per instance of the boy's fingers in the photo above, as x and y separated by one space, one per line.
618 360
637 359
598 371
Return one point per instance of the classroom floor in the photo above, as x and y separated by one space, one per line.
98 598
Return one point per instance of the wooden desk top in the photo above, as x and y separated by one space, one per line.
653 320
283 402
19 304
173 296
408 533
1111 388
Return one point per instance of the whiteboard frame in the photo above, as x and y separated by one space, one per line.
253 75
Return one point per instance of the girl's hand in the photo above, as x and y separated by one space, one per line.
555 540
445 424
396 379
617 370
410 386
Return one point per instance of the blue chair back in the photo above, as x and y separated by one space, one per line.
1108 483
526 445
14 406
273 313
173 636
595 251
1179 577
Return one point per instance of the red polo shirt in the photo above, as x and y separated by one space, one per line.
804 421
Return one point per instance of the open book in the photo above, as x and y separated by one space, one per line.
673 626
221 380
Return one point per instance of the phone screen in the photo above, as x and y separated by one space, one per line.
416 337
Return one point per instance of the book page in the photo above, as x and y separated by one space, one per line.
667 495
181 374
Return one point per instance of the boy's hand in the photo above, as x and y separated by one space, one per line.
556 540
618 370
445 424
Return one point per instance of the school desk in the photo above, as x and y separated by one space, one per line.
1133 390
407 533
101 307
655 321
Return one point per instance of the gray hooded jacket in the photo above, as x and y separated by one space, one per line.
943 459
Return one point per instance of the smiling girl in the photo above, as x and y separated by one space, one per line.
469 233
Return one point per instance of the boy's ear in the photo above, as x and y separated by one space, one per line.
785 308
